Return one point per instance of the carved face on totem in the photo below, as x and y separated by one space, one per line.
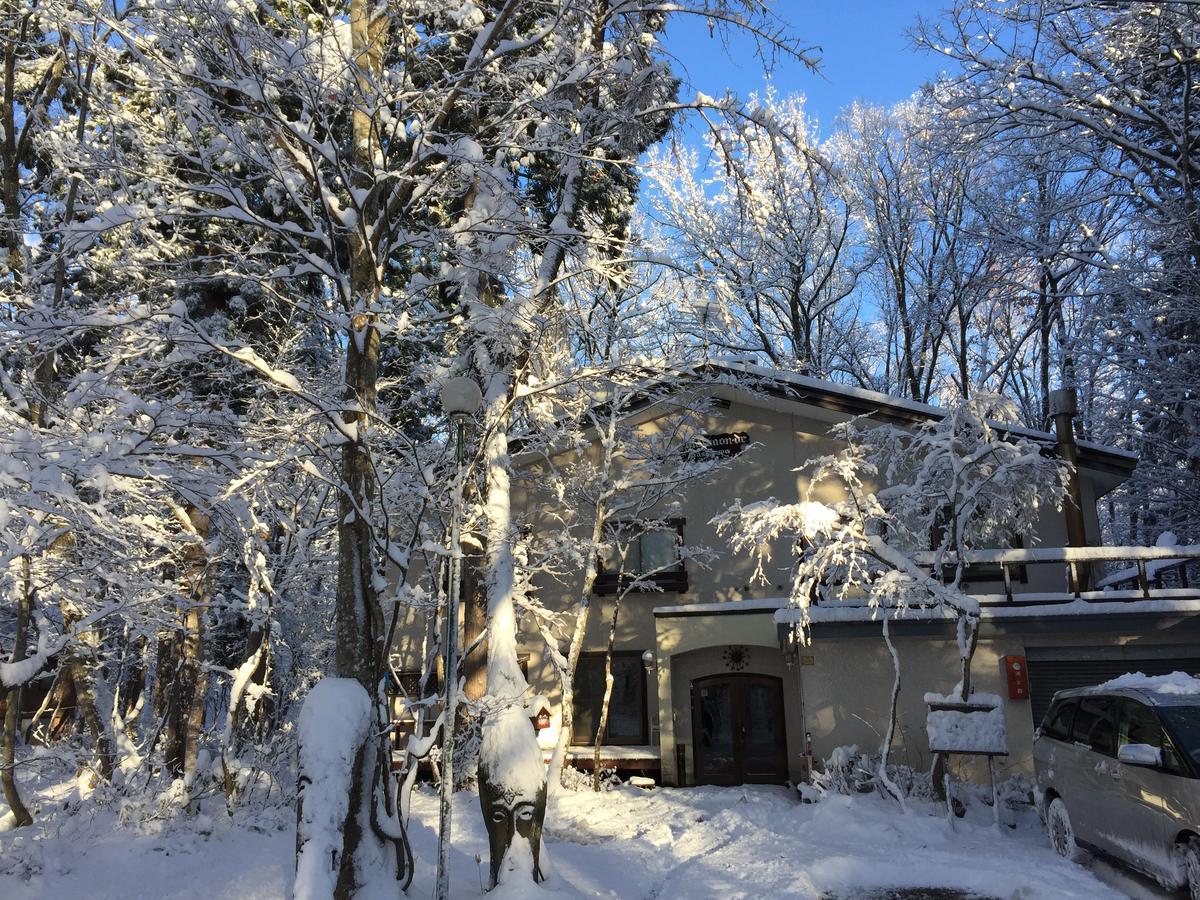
508 815
513 814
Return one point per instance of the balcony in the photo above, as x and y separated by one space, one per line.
1090 574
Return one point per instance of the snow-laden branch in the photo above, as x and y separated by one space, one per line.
948 486
14 674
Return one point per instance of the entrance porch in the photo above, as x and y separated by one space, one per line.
729 710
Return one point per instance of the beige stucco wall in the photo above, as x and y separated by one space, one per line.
847 687
782 442
849 678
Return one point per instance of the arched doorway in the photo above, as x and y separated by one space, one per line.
738 729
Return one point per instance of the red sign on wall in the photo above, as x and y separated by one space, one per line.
1017 674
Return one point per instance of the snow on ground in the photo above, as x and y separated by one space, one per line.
693 843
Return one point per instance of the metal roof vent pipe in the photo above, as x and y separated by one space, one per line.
1064 405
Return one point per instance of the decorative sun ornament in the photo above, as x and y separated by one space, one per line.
736 657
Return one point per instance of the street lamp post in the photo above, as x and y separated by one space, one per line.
461 398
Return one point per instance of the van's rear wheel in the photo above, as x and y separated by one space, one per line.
1191 867
1062 835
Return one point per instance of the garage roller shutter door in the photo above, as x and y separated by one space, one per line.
1047 676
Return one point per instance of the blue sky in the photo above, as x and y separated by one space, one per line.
865 54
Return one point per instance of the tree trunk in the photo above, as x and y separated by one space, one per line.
132 685
884 778
567 677
62 703
968 637
967 642
188 686
608 684
78 668
474 624
582 614
359 620
512 783
12 713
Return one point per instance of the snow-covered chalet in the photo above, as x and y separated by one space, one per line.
709 689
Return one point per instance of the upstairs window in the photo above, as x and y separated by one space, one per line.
635 553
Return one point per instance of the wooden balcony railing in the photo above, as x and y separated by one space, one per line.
1093 574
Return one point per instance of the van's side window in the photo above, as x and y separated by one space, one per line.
1139 725
1058 720
1094 724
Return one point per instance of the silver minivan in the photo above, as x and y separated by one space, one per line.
1118 772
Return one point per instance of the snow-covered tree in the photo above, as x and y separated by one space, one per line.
617 477
910 507
548 194
764 235
397 180
1115 83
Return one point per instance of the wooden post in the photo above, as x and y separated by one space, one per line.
995 796
1143 581
1063 406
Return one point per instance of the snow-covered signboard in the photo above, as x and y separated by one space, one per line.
972 726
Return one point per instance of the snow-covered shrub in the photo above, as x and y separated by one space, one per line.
846 771
1014 792
574 779
915 503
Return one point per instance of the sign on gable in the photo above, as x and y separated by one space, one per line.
727 445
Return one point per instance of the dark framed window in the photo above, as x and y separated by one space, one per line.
1183 735
627 708
636 553
1094 725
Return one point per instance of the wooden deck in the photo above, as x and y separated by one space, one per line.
636 758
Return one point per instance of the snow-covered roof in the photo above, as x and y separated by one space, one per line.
858 400
733 373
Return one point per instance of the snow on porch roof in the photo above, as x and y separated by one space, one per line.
725 607
858 401
1030 606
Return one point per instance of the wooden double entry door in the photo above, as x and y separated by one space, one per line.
738 730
